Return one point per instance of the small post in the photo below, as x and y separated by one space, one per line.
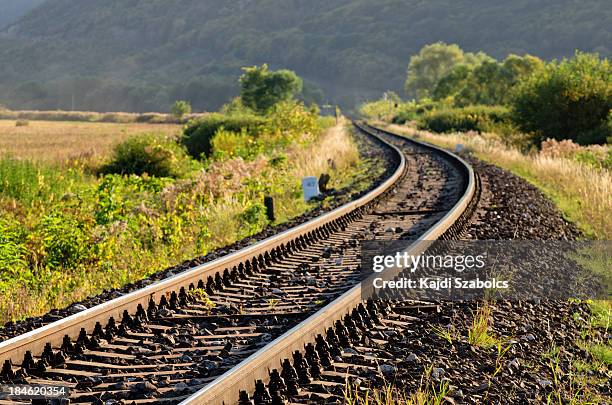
269 204
458 148
323 182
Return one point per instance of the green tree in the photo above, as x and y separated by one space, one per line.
567 100
434 62
181 108
452 83
491 83
261 88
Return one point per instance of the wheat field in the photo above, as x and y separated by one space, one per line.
61 141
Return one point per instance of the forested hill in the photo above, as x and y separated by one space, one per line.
144 54
12 10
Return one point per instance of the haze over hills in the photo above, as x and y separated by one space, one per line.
12 10
138 55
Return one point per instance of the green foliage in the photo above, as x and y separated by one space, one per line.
567 100
236 107
261 88
228 145
30 183
198 134
289 122
474 118
180 108
154 155
12 247
254 218
411 111
66 241
432 63
492 82
452 83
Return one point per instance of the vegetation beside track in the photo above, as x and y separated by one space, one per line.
72 228
580 188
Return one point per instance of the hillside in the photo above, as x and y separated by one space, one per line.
142 55
12 10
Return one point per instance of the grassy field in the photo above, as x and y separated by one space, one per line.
67 232
57 142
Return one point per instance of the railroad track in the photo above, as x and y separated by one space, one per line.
208 334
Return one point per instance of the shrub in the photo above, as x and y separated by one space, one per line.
180 108
12 246
155 155
198 134
473 118
22 123
567 100
411 110
253 218
227 144
289 122
65 240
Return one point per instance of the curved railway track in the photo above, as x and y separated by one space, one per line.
207 334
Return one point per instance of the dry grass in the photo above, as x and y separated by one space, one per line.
583 193
58 142
334 153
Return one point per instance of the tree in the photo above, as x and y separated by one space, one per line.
181 108
261 88
491 83
567 100
435 61
452 83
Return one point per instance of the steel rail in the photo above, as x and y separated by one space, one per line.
34 341
226 388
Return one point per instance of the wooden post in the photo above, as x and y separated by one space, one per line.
269 203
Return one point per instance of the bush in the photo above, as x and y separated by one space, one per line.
22 123
180 108
155 155
12 247
290 122
411 110
473 118
567 100
227 144
198 134
66 241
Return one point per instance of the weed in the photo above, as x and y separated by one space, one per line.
445 333
389 394
501 352
478 333
200 295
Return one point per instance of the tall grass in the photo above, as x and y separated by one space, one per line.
583 193
134 226
31 183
